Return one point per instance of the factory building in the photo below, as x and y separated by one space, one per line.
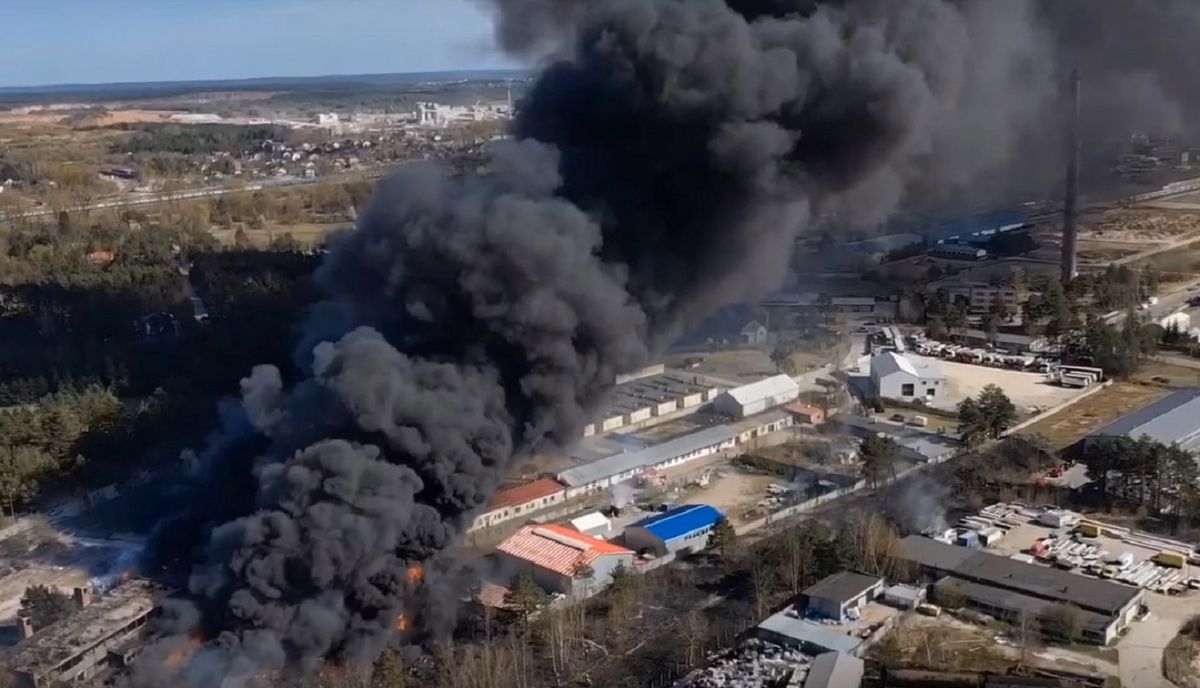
1006 588
896 376
750 429
757 397
833 596
521 500
102 634
682 529
557 557
1172 420
599 475
957 251
644 397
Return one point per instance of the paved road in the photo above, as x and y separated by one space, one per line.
1168 302
1141 649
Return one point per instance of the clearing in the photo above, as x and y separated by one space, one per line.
1072 424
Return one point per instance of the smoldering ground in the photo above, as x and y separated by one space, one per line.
664 163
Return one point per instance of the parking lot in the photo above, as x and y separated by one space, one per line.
1026 390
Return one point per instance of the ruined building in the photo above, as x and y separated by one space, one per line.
102 634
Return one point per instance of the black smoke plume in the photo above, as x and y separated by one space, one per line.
664 163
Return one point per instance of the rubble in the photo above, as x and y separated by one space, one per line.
753 664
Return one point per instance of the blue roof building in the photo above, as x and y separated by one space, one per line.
682 529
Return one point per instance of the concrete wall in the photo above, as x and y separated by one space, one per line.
612 423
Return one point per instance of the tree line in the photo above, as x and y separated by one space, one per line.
1162 479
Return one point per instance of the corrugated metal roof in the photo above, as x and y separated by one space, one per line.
527 492
593 521
680 521
842 586
1174 419
651 456
810 633
835 670
772 387
891 362
557 548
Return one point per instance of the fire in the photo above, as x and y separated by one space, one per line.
416 574
403 623
179 655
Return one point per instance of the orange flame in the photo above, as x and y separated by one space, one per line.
403 623
179 655
416 574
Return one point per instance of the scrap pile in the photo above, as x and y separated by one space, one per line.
754 664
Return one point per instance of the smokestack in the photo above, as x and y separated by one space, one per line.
1071 207
24 625
83 597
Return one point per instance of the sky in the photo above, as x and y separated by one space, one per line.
103 41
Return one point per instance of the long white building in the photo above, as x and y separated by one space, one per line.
757 397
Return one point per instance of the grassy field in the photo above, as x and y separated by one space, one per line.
1070 425
307 235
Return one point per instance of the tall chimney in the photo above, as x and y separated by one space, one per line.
1071 207
24 625
83 597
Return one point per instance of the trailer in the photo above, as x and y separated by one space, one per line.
1096 373
1075 381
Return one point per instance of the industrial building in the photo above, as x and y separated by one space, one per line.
956 251
521 500
593 523
102 634
896 376
750 429
920 446
833 596
1172 420
757 397
682 529
650 394
835 670
608 471
1005 588
788 629
557 556
791 310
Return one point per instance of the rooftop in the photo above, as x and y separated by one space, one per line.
774 386
809 633
1031 579
557 548
526 492
891 362
590 521
104 617
834 670
1174 419
651 456
680 521
1016 601
842 586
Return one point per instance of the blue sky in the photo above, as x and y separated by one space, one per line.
96 41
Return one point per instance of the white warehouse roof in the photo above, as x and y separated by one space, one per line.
591 521
651 456
770 388
891 362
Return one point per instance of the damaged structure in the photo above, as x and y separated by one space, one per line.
102 634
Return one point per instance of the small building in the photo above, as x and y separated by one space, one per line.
787 629
556 556
835 670
682 529
903 596
754 333
595 524
896 376
521 500
757 397
834 595
806 413
1172 420
102 634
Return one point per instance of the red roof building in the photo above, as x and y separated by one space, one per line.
521 500
557 556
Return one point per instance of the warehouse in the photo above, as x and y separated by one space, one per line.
835 670
762 424
1172 420
644 397
682 529
101 634
896 376
1005 587
833 596
757 397
556 556
521 500
601 474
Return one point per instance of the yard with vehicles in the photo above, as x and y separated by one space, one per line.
1027 390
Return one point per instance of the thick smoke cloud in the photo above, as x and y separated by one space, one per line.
665 161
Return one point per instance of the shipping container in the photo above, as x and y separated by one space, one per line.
1174 560
1088 529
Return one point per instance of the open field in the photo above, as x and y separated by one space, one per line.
1167 374
307 235
1067 427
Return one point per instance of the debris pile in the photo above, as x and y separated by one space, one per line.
753 664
